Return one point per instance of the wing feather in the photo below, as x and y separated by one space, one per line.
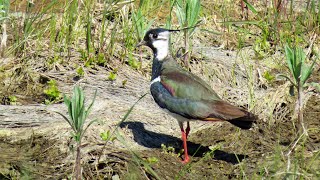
185 94
183 84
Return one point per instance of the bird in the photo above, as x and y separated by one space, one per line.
184 95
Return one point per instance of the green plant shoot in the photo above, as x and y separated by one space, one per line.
78 114
300 71
187 12
141 24
298 68
52 92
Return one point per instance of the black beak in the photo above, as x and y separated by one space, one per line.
142 43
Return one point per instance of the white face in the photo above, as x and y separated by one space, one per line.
161 43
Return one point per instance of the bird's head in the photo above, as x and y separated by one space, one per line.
158 40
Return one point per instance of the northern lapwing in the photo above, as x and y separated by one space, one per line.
184 95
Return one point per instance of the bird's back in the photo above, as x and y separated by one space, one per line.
185 94
185 84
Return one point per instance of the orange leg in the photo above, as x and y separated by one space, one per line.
184 139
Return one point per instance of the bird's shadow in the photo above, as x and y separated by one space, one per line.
151 139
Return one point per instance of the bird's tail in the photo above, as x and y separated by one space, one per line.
244 122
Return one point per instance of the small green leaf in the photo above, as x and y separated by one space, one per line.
80 71
13 100
113 138
112 76
306 72
289 56
152 160
101 60
250 7
52 92
268 76
134 63
105 135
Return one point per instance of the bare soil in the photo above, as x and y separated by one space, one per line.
35 141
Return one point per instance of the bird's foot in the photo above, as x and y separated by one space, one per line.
186 160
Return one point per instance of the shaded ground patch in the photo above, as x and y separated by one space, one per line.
221 151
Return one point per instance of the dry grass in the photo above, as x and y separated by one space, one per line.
229 53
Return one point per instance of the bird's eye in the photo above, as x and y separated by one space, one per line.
155 36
